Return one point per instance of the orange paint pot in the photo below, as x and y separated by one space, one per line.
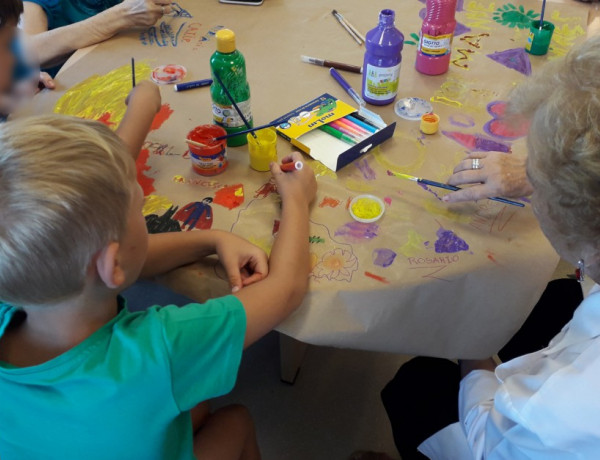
211 159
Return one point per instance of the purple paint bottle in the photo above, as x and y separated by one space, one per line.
381 69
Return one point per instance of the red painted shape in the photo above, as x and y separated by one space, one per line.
276 223
328 201
163 115
230 197
147 183
105 119
377 277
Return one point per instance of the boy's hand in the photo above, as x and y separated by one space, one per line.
244 263
145 92
298 186
45 81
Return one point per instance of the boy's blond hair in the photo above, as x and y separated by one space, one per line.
563 101
65 191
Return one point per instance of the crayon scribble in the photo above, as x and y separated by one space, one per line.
462 120
315 239
449 242
155 203
357 231
365 169
383 257
413 246
381 279
266 189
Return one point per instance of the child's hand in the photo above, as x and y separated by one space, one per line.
244 263
299 186
146 93
45 81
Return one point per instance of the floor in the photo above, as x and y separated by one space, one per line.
332 409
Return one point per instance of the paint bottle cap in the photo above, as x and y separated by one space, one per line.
225 41
429 123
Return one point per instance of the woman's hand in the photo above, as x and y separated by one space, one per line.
499 174
244 263
144 13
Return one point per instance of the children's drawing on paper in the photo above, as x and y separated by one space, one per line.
414 244
329 202
180 12
357 232
383 257
230 197
381 279
479 16
164 34
477 142
336 265
198 215
513 16
414 39
164 223
153 204
463 93
461 119
516 59
449 242
363 166
502 128
266 189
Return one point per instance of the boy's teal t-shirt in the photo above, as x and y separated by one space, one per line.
65 12
125 392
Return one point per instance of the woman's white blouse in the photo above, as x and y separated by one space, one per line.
541 406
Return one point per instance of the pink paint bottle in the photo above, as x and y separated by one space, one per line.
433 55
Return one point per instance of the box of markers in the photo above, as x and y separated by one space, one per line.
333 132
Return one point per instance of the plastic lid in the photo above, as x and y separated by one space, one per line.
225 41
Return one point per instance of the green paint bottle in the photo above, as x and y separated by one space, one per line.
230 66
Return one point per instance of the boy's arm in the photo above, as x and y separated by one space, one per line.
52 46
243 262
143 103
271 300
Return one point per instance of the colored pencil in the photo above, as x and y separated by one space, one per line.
542 15
192 85
289 167
340 19
354 127
334 64
361 123
448 187
354 29
344 84
246 131
237 109
132 73
337 134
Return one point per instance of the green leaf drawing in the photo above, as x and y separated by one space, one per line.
414 41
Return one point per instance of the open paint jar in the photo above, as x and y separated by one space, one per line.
263 149
366 208
211 158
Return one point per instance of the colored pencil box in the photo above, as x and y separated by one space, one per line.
300 128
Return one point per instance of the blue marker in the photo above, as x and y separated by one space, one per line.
344 84
192 85
362 124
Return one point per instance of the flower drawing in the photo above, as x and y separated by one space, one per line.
338 265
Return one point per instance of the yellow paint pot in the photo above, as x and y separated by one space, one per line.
263 150
366 208
430 123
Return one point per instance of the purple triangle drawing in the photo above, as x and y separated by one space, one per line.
461 29
516 59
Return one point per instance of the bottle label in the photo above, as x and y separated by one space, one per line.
381 82
227 117
435 46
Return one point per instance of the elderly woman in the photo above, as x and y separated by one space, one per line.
59 27
546 404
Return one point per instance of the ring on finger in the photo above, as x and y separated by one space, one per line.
475 164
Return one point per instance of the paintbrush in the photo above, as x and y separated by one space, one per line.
340 19
542 15
196 143
246 131
354 29
237 109
132 73
448 187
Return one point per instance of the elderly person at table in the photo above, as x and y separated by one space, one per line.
543 405
60 27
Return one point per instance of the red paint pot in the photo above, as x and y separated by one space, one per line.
212 159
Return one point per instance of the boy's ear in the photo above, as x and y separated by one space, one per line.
108 266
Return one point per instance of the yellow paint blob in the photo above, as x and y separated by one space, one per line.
179 179
155 203
366 208
99 95
413 246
